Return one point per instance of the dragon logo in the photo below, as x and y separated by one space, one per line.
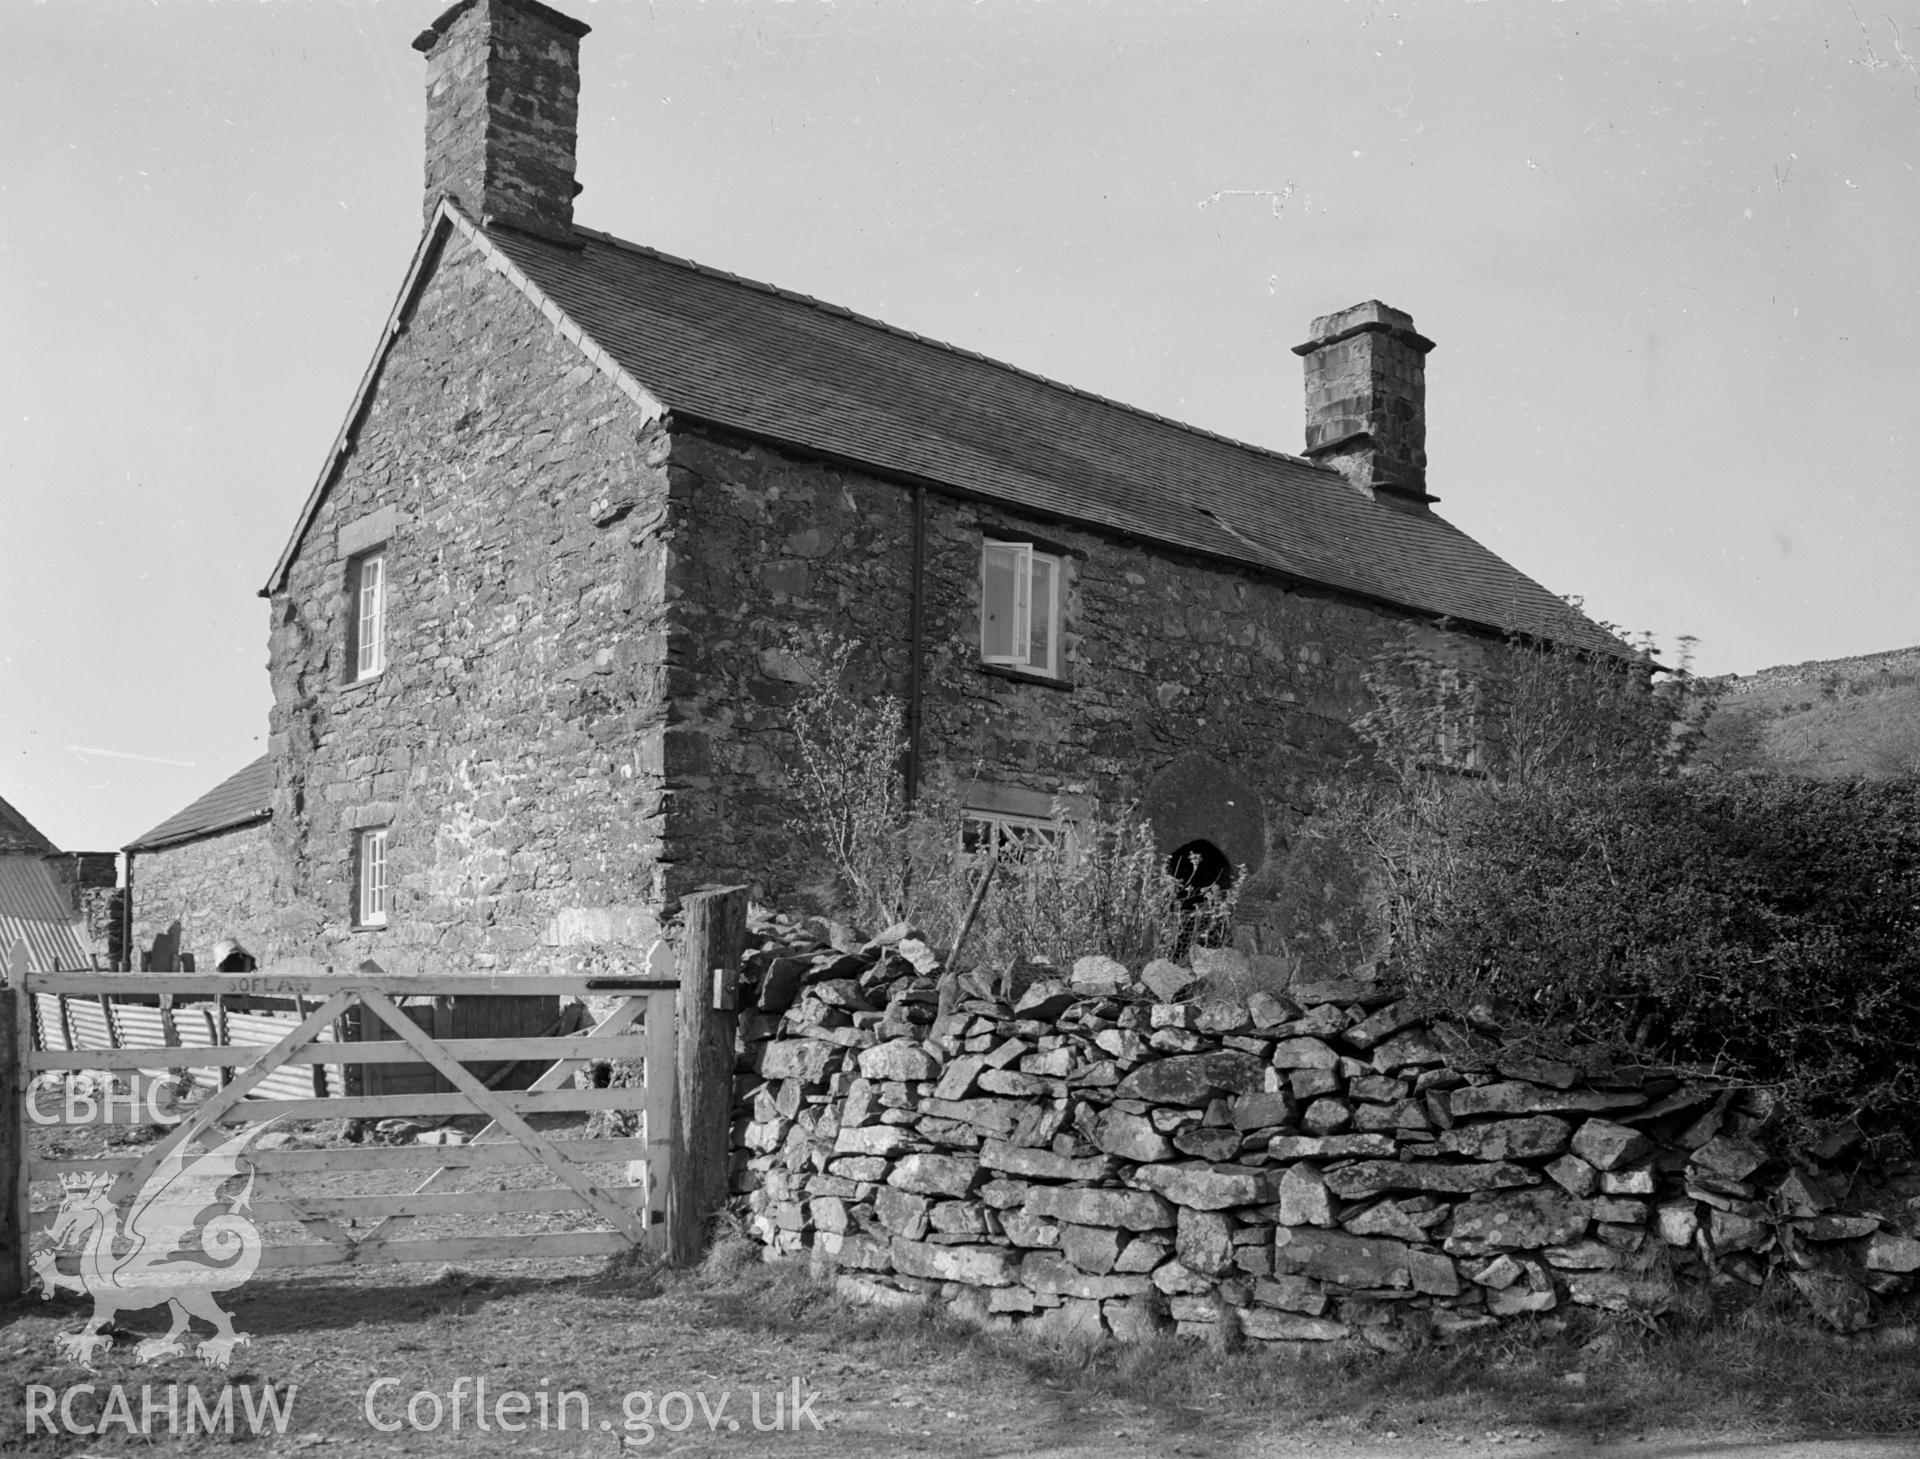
141 1262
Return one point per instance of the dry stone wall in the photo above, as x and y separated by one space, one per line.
1116 1155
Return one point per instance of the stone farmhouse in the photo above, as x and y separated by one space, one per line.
538 619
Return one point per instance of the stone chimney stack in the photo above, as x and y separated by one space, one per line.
503 105
1367 401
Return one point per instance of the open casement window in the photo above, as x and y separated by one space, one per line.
1020 608
370 878
367 637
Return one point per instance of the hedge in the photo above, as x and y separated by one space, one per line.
1767 929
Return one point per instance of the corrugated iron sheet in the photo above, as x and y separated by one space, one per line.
35 910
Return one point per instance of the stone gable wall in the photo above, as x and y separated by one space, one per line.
514 743
1101 1158
1213 697
218 888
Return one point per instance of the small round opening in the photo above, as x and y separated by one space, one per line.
1199 867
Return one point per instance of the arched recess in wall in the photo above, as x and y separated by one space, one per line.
1195 798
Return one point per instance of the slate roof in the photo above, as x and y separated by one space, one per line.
35 910
239 800
17 833
790 369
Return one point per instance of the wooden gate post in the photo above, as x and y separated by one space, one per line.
16 1038
697 1177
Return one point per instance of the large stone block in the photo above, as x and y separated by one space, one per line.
899 1059
1514 1098
956 1080
1193 1079
1042 1164
1207 1187
1099 975
1044 1271
1524 1139
902 1212
804 1059
1331 1147
1129 1136
1304 1053
872 1140
1085 1206
977 1266
1304 1198
1607 1146
1374 1177
1433 1272
1094 1249
1515 1221
1204 1242
1347 1261
942 1175
1026 1230
1725 1158
1381 1024
1888 1252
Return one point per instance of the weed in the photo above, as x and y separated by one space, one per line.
1059 889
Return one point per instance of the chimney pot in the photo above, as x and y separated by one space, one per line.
1366 401
503 108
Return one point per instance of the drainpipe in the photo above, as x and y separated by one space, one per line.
916 630
126 919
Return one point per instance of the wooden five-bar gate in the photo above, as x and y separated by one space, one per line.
530 1179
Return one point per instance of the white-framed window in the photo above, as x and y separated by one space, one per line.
1020 598
367 637
1009 836
370 878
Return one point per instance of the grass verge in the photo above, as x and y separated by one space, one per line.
1740 1362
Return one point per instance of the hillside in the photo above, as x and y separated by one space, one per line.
1827 719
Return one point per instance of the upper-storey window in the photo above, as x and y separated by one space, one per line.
1020 607
367 636
1456 729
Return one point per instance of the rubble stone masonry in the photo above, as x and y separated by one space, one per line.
217 888
1213 698
513 744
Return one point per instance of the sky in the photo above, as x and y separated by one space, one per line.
1666 250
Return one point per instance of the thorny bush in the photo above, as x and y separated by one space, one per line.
1764 928
1537 844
